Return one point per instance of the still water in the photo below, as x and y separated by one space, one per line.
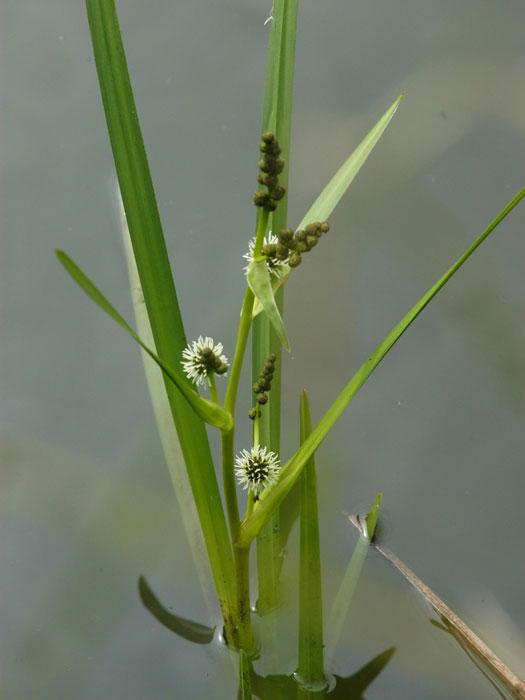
86 501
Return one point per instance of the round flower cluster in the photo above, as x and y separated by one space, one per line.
203 358
270 167
257 469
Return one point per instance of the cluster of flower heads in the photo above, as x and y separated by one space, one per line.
290 245
203 358
270 167
263 384
257 469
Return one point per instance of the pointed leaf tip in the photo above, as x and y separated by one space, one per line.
258 279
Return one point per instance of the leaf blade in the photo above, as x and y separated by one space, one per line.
340 182
209 411
258 278
291 470
187 629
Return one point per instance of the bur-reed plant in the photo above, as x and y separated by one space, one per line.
277 489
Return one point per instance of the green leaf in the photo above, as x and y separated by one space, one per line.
291 470
192 631
277 116
208 410
245 686
167 432
158 288
353 687
335 189
258 278
311 665
371 518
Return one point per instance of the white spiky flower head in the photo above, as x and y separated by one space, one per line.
276 267
257 469
203 357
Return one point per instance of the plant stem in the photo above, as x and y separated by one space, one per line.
242 570
213 388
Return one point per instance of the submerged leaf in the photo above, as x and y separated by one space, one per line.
208 410
353 687
192 631
258 278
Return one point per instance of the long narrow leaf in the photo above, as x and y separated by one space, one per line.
209 411
291 470
310 654
335 189
277 116
157 285
167 431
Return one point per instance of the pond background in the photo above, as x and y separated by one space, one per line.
86 501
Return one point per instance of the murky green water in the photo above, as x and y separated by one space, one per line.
86 502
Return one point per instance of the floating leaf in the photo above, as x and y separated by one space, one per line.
192 631
208 410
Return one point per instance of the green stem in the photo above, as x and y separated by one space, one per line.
242 571
213 388
262 225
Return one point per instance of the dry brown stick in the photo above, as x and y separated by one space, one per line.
456 624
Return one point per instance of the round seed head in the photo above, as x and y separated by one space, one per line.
325 227
262 399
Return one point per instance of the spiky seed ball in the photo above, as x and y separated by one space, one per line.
325 227
262 399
